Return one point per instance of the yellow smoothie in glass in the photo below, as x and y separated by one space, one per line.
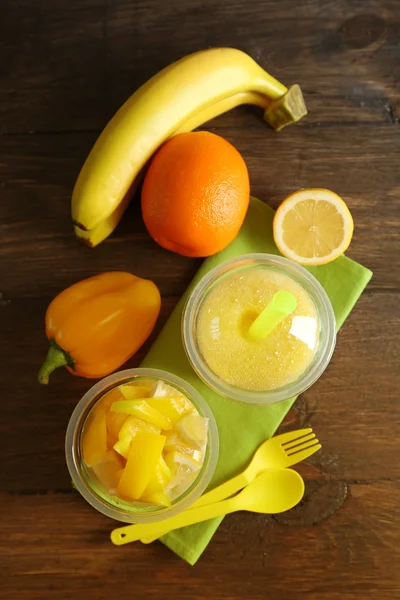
224 319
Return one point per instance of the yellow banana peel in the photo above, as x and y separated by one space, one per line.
179 98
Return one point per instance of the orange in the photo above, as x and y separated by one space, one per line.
195 194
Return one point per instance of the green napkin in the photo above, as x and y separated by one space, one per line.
242 427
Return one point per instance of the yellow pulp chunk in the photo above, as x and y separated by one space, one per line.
94 438
172 407
128 431
110 397
154 492
144 455
193 429
114 422
226 315
175 442
184 471
141 409
159 498
182 481
108 470
134 391
111 440
175 459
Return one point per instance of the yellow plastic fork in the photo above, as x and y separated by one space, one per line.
274 491
280 451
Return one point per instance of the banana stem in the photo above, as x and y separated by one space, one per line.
287 109
56 357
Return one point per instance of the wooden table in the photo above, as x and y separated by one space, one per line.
66 67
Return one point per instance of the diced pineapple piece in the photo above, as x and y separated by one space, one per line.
142 409
172 407
128 430
94 440
193 429
108 471
134 392
144 454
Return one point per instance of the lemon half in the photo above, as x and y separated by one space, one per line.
313 227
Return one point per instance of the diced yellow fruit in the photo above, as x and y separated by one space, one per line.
94 440
140 408
144 454
162 389
158 497
110 397
128 430
172 407
107 471
185 481
163 470
175 459
134 392
118 474
143 383
160 478
154 492
115 421
193 429
175 442
111 440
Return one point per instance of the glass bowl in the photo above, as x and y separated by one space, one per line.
326 339
94 493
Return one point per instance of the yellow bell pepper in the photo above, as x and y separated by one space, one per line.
108 471
97 324
141 409
94 438
144 455
128 431
154 492
174 408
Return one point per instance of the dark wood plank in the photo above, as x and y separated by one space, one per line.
344 557
70 66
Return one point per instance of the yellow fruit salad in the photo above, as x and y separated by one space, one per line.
144 442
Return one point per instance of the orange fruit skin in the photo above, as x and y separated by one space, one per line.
195 194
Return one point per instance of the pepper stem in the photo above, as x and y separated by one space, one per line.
56 357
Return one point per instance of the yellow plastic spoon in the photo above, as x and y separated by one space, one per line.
274 491
283 303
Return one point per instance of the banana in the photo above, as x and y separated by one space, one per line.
179 98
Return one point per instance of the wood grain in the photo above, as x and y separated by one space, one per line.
65 68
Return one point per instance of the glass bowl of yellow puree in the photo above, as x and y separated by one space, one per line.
218 316
140 423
